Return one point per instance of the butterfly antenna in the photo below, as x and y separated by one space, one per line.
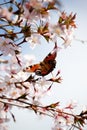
56 48
55 45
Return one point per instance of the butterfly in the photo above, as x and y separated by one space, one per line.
46 66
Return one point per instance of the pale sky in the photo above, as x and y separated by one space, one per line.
73 65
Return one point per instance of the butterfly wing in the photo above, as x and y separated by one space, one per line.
46 66
52 55
32 68
49 62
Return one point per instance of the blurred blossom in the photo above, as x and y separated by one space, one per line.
30 12
30 16
59 124
20 76
36 102
56 31
27 60
62 123
67 36
7 46
3 127
64 28
7 83
1 106
34 40
36 4
3 116
38 90
11 86
4 13
84 108
43 82
13 73
41 88
71 105
12 68
3 120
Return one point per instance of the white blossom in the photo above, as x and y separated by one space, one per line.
7 47
34 40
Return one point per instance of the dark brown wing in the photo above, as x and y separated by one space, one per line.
52 55
46 66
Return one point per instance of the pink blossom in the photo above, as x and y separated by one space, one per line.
36 4
30 12
6 83
1 106
3 120
3 127
28 59
29 16
71 105
34 40
67 36
59 124
5 13
7 46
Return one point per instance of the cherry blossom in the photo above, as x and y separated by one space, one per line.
3 127
33 3
6 83
30 16
4 13
34 40
7 47
68 37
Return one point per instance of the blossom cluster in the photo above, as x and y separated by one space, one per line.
30 22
